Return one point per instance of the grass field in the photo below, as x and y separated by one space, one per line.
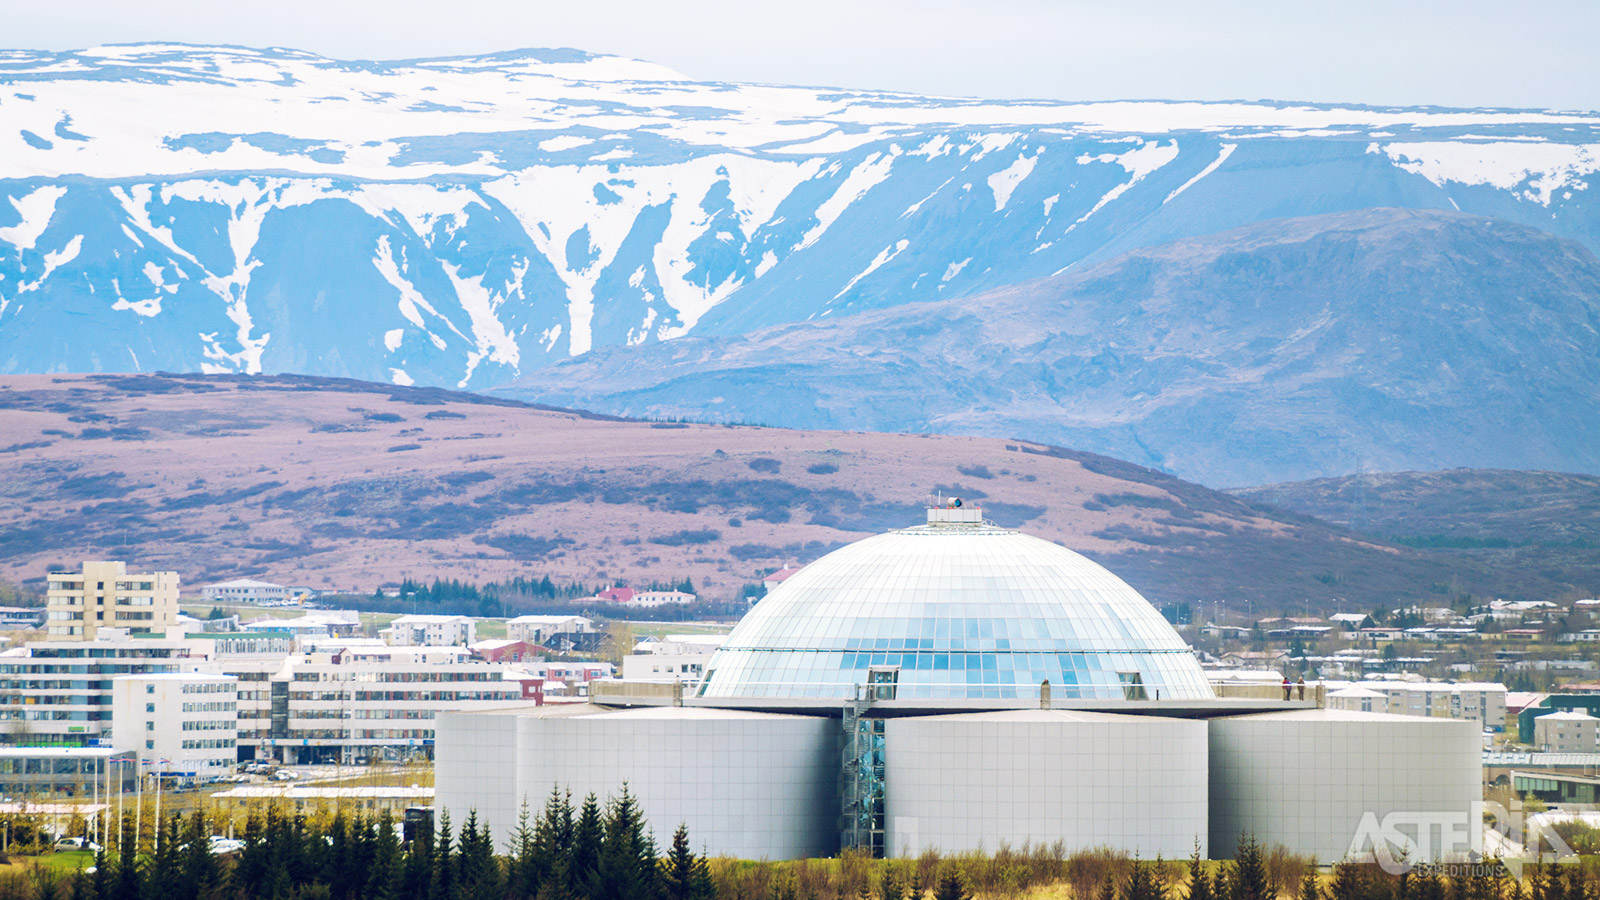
66 862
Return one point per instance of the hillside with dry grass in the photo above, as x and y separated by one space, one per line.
344 484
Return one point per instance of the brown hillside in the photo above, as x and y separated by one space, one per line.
346 484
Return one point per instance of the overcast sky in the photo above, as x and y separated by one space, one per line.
1535 53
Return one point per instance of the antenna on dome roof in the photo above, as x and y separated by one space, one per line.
953 511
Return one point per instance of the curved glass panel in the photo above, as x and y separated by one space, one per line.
964 611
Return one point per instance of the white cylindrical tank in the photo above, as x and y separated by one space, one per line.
750 785
1323 782
977 780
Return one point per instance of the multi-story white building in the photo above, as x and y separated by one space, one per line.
322 623
179 723
675 657
430 631
246 590
537 629
1479 701
105 595
358 702
60 691
626 596
1567 732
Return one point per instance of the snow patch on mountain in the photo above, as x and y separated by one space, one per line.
1138 163
1005 181
883 256
864 177
1539 170
35 208
1222 157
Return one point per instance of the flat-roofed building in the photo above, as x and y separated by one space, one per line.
363 701
179 723
538 629
246 590
35 773
430 631
1568 731
60 691
105 595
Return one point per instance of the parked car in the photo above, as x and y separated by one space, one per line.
221 846
285 775
76 843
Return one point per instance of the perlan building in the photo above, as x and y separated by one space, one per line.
954 686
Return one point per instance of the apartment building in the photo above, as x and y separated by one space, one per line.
1483 702
430 631
1568 731
106 595
539 629
179 723
60 692
347 704
673 657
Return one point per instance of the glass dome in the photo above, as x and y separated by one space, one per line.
964 609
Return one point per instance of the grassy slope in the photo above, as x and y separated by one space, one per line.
341 484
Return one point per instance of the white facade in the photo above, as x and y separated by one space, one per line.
1308 779
349 703
182 722
973 781
47 693
1567 732
1479 701
676 657
430 631
535 629
712 770
245 590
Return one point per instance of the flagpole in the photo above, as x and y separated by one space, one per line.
157 833
138 810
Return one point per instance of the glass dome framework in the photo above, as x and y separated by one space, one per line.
966 610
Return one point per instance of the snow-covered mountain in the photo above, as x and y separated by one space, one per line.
1375 340
463 221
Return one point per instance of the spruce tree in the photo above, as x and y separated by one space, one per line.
1309 889
383 876
890 886
443 886
627 867
335 868
1141 884
953 887
163 861
1250 871
1199 880
479 870
584 859
201 874
128 883
1349 882
417 872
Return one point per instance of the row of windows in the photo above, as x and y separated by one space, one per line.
211 706
209 725
209 743
405 677
210 687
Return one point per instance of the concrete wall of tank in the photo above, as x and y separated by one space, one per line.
1317 780
748 785
970 781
